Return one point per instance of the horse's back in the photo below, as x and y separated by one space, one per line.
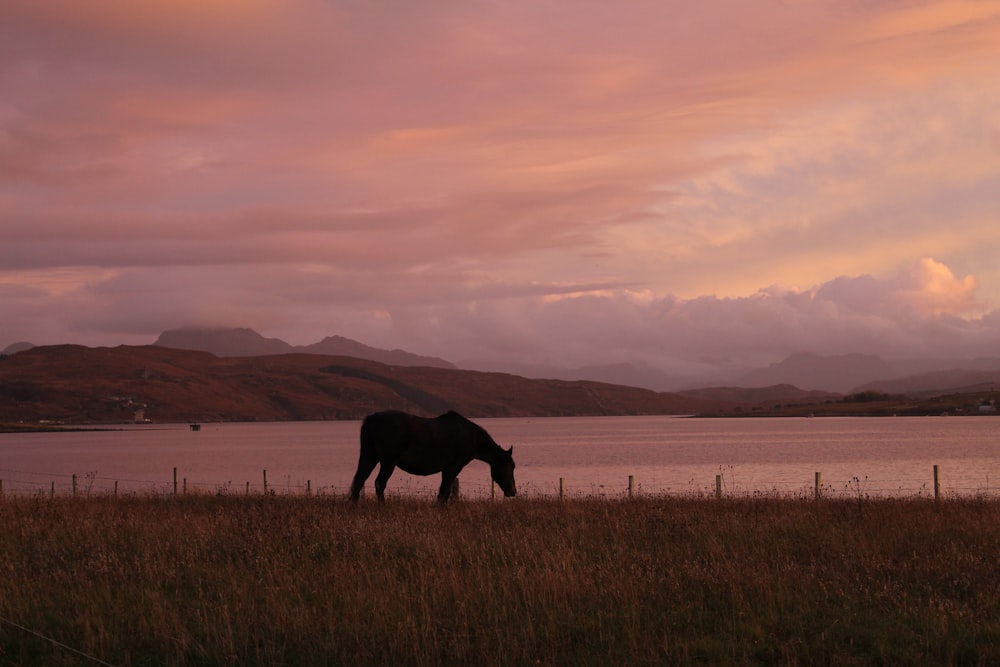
385 417
384 428
418 445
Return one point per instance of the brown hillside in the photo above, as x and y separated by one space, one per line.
762 396
75 384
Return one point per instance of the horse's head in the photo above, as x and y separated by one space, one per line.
502 471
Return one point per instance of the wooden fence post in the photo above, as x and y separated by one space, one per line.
309 490
175 481
493 490
116 488
718 486
562 488
631 485
818 487
248 488
265 482
937 484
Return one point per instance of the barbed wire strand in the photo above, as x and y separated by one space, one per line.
844 487
55 642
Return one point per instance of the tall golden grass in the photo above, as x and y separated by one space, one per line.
283 580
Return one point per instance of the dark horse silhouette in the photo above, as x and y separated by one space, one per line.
425 446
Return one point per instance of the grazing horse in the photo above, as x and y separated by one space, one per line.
425 446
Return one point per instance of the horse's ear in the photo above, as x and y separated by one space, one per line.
510 450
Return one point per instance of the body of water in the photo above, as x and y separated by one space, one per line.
592 455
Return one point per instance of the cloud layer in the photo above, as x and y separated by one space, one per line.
552 183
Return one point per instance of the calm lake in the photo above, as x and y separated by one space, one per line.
592 455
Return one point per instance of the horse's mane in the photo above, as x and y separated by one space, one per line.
485 438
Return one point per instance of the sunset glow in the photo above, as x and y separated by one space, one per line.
664 183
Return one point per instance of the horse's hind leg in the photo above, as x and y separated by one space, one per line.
365 466
384 473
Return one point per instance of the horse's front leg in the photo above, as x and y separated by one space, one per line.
448 478
384 473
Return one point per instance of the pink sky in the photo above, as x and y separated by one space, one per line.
565 183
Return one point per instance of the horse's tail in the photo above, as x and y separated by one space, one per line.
368 456
369 428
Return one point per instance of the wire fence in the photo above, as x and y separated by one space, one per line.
813 485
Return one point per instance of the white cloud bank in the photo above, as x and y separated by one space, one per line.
921 310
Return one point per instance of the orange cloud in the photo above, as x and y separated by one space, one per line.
934 290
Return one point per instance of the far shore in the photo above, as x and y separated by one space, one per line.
19 427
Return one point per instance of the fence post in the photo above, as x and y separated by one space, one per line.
52 493
309 490
175 481
718 486
265 482
818 485
185 487
116 488
74 485
937 484
493 490
248 488
562 488
631 485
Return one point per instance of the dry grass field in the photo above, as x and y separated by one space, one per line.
283 580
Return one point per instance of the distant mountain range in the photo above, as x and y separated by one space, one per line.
833 374
76 384
839 373
249 343
836 374
631 375
851 373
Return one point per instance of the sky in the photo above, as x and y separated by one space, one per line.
691 186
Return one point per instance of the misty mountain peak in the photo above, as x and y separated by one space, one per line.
234 342
838 373
244 342
14 348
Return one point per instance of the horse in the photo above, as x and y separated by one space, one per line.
426 446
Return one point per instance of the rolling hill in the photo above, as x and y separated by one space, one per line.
75 384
